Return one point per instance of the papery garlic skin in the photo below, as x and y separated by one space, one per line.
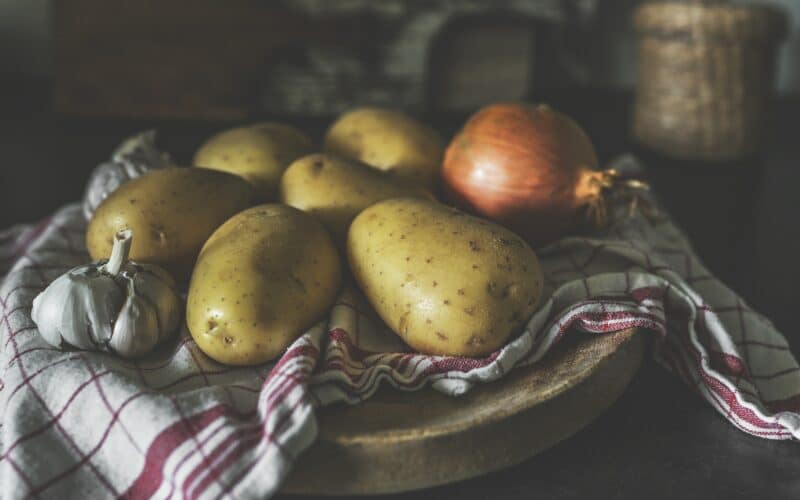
150 313
133 158
136 329
117 305
80 300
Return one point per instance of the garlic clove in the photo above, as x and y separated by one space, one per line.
159 273
136 330
103 297
139 154
143 140
75 327
162 297
104 180
49 307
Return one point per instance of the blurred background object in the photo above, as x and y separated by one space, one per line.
226 60
706 75
420 54
309 57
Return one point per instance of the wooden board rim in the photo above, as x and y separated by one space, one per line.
523 404
358 461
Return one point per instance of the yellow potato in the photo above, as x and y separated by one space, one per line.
258 153
335 189
445 282
391 141
171 213
262 279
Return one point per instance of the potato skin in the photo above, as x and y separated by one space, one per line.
171 213
259 153
262 279
388 140
335 189
446 282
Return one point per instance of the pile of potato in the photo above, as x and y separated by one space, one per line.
262 274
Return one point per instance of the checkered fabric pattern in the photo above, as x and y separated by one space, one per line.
178 425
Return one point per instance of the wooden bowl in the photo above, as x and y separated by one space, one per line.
399 441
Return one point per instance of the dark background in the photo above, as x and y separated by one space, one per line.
659 440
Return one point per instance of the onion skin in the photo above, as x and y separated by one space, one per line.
528 167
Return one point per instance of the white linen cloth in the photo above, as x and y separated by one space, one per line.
179 425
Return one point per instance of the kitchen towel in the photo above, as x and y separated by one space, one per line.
179 425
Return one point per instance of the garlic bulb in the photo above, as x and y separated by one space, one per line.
135 156
117 305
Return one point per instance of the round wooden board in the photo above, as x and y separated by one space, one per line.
399 441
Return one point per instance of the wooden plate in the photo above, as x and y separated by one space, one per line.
398 441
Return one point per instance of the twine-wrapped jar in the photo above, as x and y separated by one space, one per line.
706 72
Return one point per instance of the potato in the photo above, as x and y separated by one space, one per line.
262 279
445 282
391 141
171 213
335 190
258 153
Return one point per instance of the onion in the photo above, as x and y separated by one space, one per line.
530 168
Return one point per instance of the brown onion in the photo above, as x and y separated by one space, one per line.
528 167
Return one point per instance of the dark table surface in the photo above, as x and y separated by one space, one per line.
659 440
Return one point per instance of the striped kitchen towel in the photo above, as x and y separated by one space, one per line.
179 425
